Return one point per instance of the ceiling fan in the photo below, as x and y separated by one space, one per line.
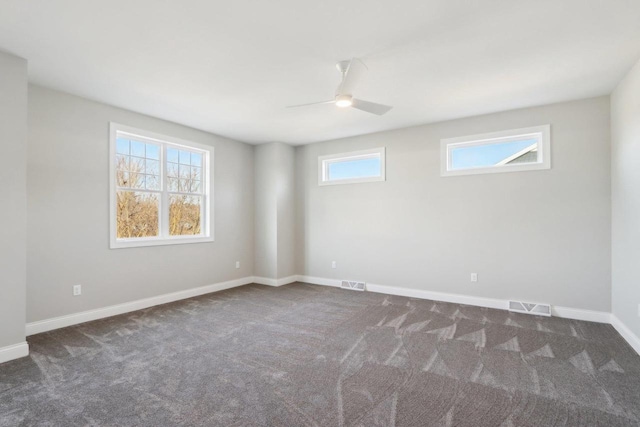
352 71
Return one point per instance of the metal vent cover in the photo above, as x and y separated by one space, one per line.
530 308
353 285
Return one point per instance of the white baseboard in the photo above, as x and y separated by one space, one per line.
14 351
22 349
319 281
275 282
113 310
565 312
439 296
265 281
627 334
581 314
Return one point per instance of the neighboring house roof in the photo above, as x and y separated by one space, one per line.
527 155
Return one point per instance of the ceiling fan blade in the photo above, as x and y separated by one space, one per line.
370 107
354 74
312 103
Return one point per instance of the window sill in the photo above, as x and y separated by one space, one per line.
137 243
352 181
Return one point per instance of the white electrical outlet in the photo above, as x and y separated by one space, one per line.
77 290
237 264
333 264
474 277
638 310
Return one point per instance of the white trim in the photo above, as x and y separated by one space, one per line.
265 281
532 147
581 314
14 351
320 281
564 312
22 349
325 161
127 307
207 152
440 296
275 282
541 133
627 334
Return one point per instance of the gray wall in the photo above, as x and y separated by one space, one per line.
286 210
542 236
68 213
266 213
274 211
13 208
625 169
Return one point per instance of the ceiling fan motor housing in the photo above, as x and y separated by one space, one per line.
343 66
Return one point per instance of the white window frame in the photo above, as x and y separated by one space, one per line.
163 227
325 161
541 133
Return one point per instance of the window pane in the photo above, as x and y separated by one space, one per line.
152 167
153 152
172 155
185 157
122 178
184 185
350 169
136 180
136 164
172 184
184 215
196 186
185 171
122 162
494 154
137 214
122 146
137 148
196 173
130 179
172 170
196 159
152 182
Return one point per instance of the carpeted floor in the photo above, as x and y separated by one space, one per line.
305 355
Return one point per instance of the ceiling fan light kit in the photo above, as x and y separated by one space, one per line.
343 101
352 71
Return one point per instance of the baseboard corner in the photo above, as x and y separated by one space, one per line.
15 351
275 282
627 334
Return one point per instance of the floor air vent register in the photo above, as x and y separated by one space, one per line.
530 308
354 286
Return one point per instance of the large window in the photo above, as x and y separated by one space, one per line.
508 151
159 189
348 168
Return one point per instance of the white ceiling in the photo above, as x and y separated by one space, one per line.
230 67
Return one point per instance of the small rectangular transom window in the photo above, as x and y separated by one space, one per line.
354 167
507 151
159 189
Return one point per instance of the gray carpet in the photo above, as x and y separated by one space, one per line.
305 355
